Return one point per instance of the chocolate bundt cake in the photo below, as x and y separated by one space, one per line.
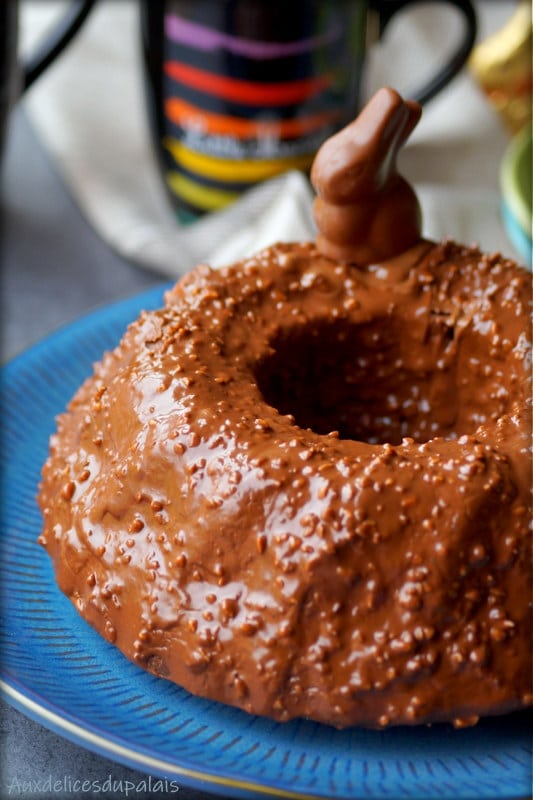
302 487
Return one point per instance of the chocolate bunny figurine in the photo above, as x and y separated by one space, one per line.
365 211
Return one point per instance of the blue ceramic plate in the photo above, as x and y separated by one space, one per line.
59 671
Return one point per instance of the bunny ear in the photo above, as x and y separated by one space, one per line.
397 120
402 122
414 110
380 121
394 120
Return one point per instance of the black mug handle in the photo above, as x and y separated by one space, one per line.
55 42
386 11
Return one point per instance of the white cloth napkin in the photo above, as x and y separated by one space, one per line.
89 111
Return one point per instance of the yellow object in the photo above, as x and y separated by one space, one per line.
198 195
502 64
233 170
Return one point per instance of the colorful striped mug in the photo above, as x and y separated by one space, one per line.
242 90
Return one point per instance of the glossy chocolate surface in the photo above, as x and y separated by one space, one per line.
303 487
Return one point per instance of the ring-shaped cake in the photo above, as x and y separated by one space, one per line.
302 488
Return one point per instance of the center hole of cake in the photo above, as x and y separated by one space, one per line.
365 382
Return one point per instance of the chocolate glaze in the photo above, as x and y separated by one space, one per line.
365 211
303 488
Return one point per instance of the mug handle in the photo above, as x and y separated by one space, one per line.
55 42
385 12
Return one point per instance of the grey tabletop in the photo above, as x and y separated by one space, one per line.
54 267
